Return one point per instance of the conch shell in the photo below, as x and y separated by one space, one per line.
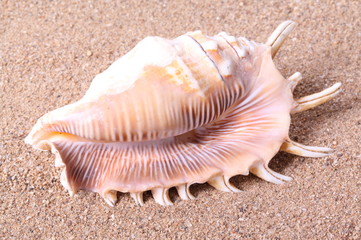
171 113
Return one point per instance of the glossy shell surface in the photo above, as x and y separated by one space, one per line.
171 113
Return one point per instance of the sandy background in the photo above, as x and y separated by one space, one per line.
51 50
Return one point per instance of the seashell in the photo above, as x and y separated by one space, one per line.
171 113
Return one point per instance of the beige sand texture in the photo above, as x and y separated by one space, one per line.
51 50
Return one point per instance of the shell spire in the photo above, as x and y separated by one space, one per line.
171 113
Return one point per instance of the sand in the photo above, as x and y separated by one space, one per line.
51 50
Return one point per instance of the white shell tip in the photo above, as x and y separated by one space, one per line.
262 172
316 99
305 151
222 183
184 193
161 196
138 198
110 197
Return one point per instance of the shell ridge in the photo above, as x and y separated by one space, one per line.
193 163
205 52
231 46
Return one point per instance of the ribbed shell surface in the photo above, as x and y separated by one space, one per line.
172 112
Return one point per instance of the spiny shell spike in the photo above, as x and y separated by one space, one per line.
276 39
184 193
316 99
278 175
222 183
261 171
161 196
305 151
110 197
294 79
138 198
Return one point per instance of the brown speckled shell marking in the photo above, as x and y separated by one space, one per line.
171 113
